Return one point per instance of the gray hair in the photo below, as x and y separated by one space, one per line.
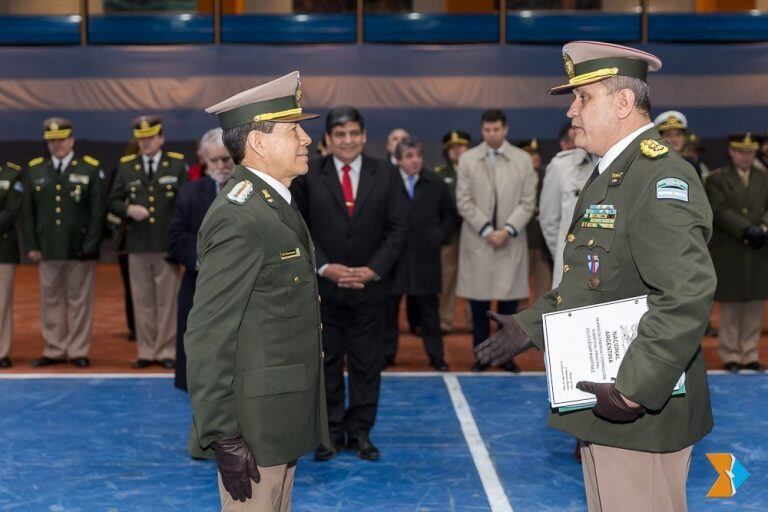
407 143
639 88
212 137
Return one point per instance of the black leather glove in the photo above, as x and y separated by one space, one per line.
505 344
610 404
236 466
756 235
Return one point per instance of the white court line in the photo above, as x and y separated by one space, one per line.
96 375
497 498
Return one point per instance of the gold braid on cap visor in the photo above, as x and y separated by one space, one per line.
593 75
57 134
274 115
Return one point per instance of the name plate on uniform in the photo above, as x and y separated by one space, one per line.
166 180
588 343
289 255
79 178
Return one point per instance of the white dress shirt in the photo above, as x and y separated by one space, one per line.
155 162
354 173
275 184
63 163
620 146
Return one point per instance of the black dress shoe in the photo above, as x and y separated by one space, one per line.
81 362
5 362
364 448
438 363
755 367
510 367
323 454
46 361
141 363
479 367
168 364
731 367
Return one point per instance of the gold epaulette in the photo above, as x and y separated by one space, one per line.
90 160
127 158
177 156
36 161
653 149
13 166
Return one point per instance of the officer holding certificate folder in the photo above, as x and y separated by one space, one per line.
640 227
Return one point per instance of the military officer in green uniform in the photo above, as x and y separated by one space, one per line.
144 195
10 206
455 143
652 240
738 194
253 340
62 219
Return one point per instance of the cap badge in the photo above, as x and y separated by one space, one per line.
568 62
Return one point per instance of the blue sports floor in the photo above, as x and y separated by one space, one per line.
460 442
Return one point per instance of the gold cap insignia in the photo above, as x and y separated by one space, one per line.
53 126
568 62
298 94
748 138
144 124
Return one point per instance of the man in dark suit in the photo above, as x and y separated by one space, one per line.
191 206
432 219
356 214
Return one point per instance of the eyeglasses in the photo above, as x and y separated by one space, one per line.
222 159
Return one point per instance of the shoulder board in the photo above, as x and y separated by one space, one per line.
241 192
177 156
127 158
13 166
36 161
653 149
90 160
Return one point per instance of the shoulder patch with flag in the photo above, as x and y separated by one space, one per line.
672 188
240 192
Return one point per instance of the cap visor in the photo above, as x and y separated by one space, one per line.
295 118
566 88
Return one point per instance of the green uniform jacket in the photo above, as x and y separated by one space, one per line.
132 186
253 340
10 206
448 174
658 247
63 214
742 271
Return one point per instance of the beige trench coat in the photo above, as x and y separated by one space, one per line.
486 273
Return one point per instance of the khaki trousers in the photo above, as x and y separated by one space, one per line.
155 288
271 494
449 260
629 481
739 332
66 307
6 307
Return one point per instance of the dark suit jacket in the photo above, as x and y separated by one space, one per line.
195 197
373 237
432 219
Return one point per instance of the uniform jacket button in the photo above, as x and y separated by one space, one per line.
571 237
566 269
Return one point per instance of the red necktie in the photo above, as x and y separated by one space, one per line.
346 188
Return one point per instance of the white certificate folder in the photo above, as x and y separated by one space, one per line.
588 343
